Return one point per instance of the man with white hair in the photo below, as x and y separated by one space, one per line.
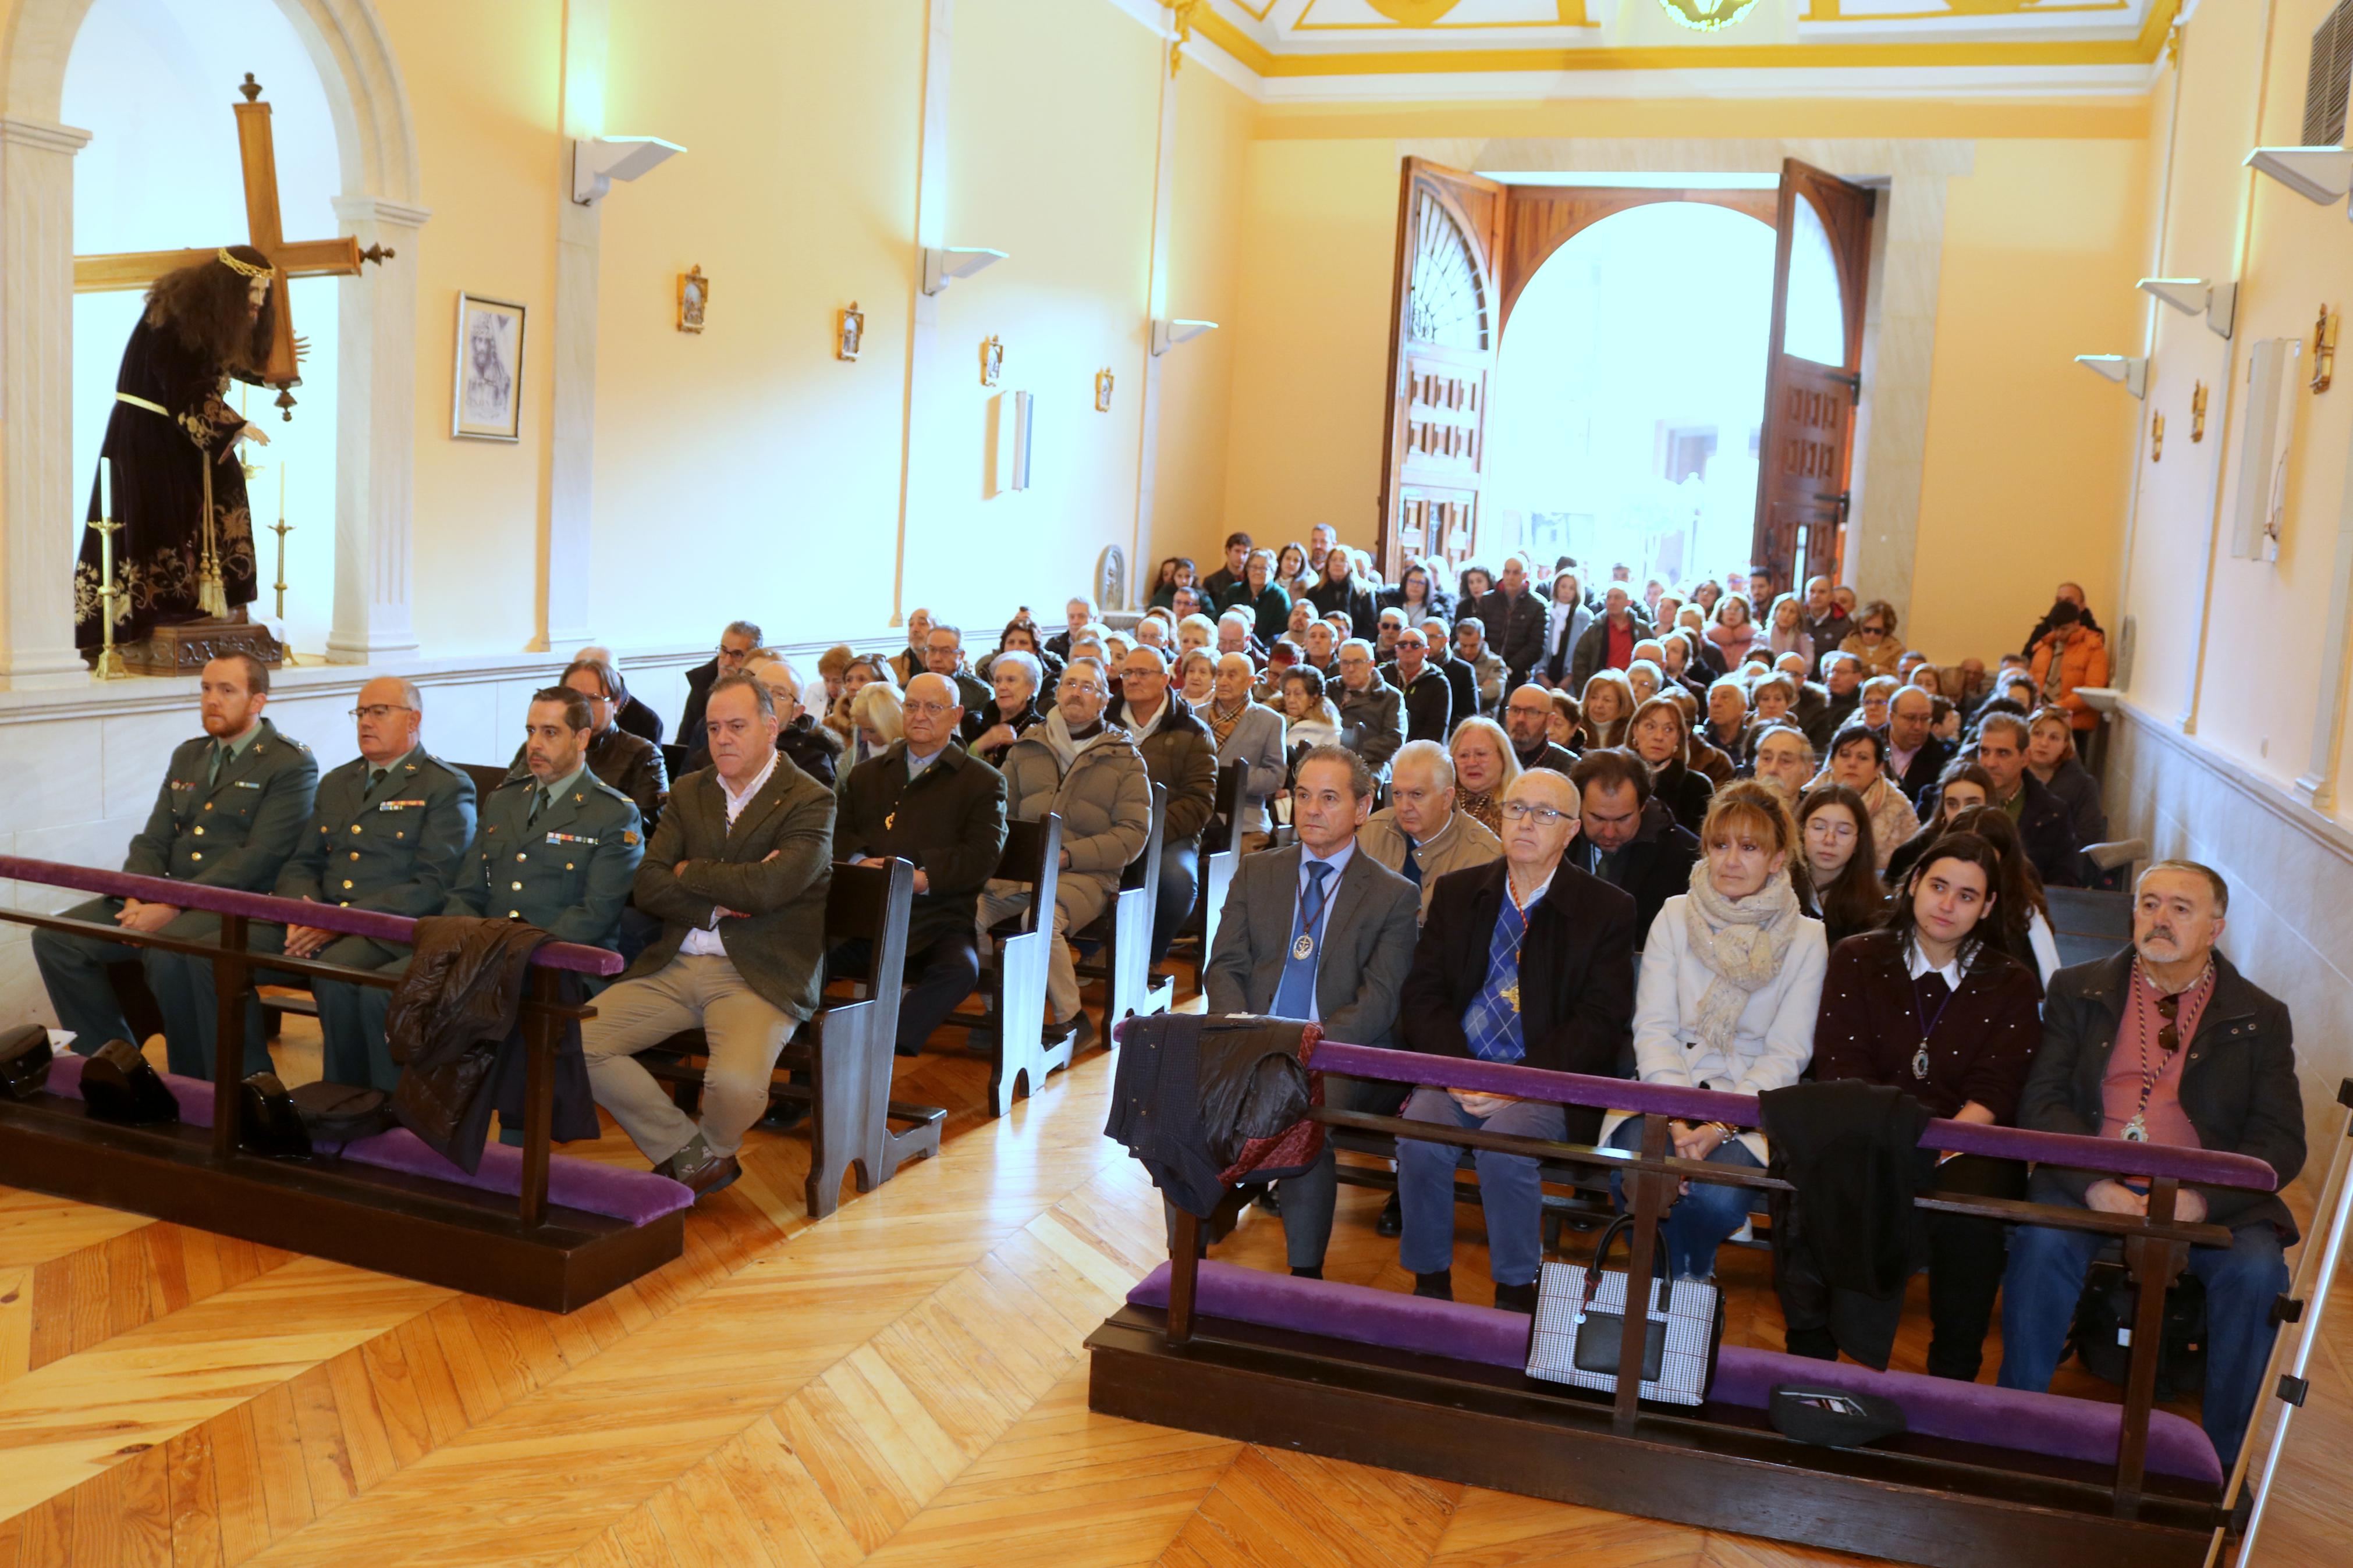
1525 960
2164 1042
1250 733
1419 835
1078 613
1236 633
1372 712
1784 761
1195 631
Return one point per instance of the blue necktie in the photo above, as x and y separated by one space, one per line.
1296 996
1412 866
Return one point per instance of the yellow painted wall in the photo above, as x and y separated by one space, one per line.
2290 255
745 470
2022 481
486 144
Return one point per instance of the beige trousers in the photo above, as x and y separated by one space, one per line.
1077 902
745 1033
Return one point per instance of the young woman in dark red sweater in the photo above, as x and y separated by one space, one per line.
1933 1005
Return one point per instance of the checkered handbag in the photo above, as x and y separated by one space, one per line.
1580 1325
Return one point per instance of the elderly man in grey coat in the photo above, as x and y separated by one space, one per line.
1319 931
1089 772
1250 733
1372 714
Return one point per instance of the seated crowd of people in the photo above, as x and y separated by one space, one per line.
1651 833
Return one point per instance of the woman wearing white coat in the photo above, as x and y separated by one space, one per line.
1731 982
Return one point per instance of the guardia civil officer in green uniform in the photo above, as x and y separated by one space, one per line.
386 833
557 847
229 813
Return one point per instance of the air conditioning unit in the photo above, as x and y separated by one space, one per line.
2327 78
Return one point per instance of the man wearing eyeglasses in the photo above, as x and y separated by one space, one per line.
630 763
388 830
943 656
1526 960
737 643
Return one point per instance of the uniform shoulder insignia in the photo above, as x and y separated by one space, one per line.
628 836
513 779
608 789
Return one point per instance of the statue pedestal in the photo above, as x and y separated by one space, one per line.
187 647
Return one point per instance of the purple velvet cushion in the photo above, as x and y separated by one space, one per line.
638 1197
2046 1424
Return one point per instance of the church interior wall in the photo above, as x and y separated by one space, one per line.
2210 754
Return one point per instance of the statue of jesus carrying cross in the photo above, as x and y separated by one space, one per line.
169 465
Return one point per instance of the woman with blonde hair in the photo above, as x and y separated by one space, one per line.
1785 629
1731 981
879 715
2050 758
1484 767
1608 707
860 672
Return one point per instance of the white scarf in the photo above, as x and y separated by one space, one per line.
1056 732
1742 944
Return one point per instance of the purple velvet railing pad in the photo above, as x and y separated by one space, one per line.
635 1197
2113 1154
369 923
2047 1424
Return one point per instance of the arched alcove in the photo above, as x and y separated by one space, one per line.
376 328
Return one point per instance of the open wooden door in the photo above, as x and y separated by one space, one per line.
1813 378
1441 361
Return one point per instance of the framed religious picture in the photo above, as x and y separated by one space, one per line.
693 294
992 359
1103 391
849 332
486 404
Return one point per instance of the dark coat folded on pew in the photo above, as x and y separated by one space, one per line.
1200 1098
1846 1241
455 1028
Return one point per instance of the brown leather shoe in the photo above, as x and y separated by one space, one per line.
706 1175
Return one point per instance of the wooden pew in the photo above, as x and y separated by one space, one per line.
845 1051
1014 977
1123 932
1220 853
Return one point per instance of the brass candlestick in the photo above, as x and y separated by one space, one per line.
282 528
110 665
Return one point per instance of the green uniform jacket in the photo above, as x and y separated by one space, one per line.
568 873
235 833
395 848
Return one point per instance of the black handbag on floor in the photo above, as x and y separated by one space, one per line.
24 1058
342 1112
117 1086
2103 1321
266 1123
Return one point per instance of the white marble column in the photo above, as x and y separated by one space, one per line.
38 493
572 406
375 437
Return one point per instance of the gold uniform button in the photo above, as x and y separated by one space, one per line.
523 858
195 854
515 914
355 828
347 886
567 865
518 887
208 805
356 853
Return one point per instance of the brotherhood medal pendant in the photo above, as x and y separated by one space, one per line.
2136 1129
1304 947
1920 1063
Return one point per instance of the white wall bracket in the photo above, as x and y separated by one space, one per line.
2217 302
2130 370
1167 333
598 161
943 264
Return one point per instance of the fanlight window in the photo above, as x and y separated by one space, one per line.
1815 327
1448 303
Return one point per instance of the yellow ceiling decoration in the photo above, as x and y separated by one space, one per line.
1413 13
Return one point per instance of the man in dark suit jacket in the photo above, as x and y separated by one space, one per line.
2045 826
228 813
2234 1090
1528 719
924 801
627 713
1429 697
1462 680
630 763
737 643
1915 756
1628 838
1523 959
1357 929
1515 618
737 873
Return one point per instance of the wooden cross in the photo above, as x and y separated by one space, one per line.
293 259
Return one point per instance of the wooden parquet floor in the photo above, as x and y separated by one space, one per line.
902 1383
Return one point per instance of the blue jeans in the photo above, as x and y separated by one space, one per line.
2045 1279
1509 1188
1701 1219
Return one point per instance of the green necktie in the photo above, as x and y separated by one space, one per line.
538 805
220 761
375 778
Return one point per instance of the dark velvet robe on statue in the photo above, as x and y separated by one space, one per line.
159 462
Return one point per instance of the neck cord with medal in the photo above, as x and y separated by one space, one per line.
2136 1129
1920 1013
1510 994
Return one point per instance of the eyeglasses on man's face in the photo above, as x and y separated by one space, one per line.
1529 811
376 711
930 710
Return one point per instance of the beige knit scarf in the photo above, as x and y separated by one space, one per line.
1742 944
